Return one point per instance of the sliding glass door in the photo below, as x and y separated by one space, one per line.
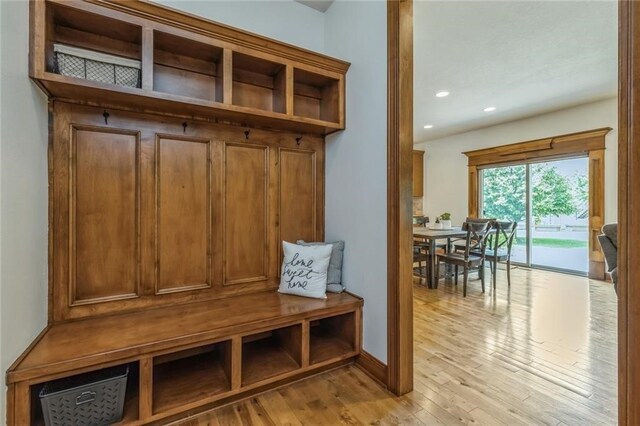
549 200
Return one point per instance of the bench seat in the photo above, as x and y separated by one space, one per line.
241 344
77 344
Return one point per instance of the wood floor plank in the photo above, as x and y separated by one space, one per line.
543 352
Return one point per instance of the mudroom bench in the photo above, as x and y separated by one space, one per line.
192 356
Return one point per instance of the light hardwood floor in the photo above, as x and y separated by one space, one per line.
543 352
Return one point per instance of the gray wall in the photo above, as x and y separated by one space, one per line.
23 192
356 173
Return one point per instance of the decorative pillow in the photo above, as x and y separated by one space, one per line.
304 270
334 274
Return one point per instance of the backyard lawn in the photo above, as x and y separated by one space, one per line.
553 242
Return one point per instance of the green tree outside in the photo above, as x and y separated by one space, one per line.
552 194
504 193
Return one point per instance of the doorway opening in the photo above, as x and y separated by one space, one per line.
550 202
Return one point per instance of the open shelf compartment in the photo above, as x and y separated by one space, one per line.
316 96
191 375
259 83
272 353
108 41
332 337
130 410
187 67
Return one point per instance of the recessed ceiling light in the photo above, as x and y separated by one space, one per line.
428 126
489 109
442 94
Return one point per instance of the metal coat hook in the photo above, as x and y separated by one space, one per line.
105 114
246 134
298 139
184 127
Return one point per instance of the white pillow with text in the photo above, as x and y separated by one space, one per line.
304 270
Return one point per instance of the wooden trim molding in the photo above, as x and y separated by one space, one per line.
473 191
373 367
197 24
555 147
590 143
597 269
628 218
399 195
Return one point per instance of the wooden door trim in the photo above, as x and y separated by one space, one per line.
590 143
628 162
399 195
628 220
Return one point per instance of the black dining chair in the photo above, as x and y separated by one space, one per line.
475 245
460 246
420 255
499 247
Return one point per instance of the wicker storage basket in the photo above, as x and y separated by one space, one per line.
95 66
92 399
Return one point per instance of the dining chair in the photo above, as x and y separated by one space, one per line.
499 247
421 254
461 246
475 245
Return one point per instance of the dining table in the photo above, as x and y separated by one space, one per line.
431 236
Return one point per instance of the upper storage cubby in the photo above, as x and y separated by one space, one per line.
187 67
92 47
145 57
258 83
316 96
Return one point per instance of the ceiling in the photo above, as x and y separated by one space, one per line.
319 5
522 57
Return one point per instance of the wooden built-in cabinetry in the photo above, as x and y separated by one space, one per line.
190 66
168 206
157 213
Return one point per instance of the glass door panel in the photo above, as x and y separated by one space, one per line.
560 214
504 196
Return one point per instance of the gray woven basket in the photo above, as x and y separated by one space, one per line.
95 66
93 399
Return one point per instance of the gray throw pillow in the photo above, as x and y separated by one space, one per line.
334 274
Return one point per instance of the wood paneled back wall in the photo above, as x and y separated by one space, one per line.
149 210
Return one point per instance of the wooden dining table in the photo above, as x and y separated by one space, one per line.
431 236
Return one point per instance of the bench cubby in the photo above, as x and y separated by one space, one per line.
191 375
272 353
332 337
130 413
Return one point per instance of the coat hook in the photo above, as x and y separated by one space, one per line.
105 114
184 127
298 139
246 134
